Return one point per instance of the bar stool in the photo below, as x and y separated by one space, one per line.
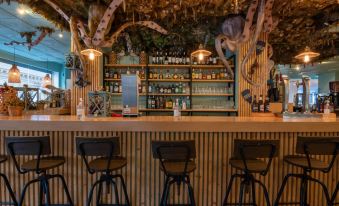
307 146
40 149
105 159
249 157
8 186
176 158
335 195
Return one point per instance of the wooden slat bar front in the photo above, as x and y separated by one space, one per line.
214 141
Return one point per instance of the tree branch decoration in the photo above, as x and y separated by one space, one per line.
29 37
236 31
99 25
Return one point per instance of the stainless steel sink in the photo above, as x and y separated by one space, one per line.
296 115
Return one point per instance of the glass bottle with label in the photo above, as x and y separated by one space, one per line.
255 104
261 104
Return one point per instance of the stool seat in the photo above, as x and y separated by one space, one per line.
3 158
46 163
253 165
100 164
178 167
301 161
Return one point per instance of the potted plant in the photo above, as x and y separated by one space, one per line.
15 106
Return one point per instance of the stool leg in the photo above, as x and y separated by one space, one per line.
9 188
242 188
46 191
253 193
267 197
335 193
23 193
190 191
124 189
68 195
41 194
99 194
325 190
116 193
281 190
164 191
303 192
90 196
229 187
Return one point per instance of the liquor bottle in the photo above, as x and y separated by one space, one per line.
161 57
119 74
80 109
214 61
177 58
176 90
255 104
200 74
150 74
184 59
154 58
188 60
142 74
261 105
155 75
157 58
188 103
193 74
150 89
107 86
176 111
267 104
213 75
331 106
115 75
111 87
166 58
170 103
170 57
168 76
153 102
209 76
120 88
107 73
149 103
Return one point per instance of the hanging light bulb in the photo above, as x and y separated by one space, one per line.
14 72
91 53
307 55
201 53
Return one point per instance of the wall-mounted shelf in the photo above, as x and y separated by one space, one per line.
120 94
169 80
213 80
211 95
117 80
209 66
172 66
125 65
151 94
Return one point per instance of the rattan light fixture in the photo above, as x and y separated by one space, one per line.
307 55
14 73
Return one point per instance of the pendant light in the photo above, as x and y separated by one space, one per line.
14 73
91 53
47 81
201 53
307 55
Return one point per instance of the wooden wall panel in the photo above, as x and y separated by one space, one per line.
261 76
145 180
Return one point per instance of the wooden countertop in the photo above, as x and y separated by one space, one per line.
168 123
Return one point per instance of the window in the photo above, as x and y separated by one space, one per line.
33 78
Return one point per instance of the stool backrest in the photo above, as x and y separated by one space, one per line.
251 149
92 146
106 147
256 148
317 145
174 150
28 146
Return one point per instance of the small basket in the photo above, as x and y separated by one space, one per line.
15 110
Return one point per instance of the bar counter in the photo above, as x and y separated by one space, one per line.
214 141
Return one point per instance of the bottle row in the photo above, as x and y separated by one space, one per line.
325 105
260 105
179 88
113 87
210 74
167 75
114 74
168 103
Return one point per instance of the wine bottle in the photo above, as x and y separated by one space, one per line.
261 105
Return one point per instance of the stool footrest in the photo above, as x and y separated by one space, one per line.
7 203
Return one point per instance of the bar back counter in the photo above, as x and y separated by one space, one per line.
213 136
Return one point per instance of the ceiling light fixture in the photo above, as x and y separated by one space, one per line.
307 55
60 35
21 11
201 53
14 73
91 53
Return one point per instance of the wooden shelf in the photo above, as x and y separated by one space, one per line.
173 66
120 94
169 80
125 65
210 66
117 80
162 110
211 95
150 94
213 80
214 110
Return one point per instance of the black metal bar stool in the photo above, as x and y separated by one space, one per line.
8 186
105 159
251 156
39 149
176 158
306 147
335 193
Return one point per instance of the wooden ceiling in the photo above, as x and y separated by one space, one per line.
301 22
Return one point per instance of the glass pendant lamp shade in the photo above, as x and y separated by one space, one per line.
307 55
201 53
47 80
14 74
91 53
